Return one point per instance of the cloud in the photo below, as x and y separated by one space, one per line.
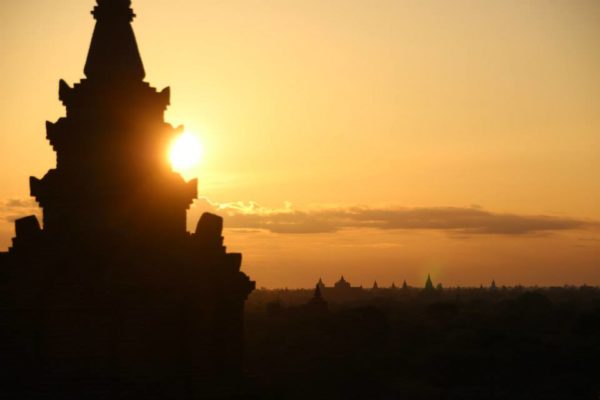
13 209
455 220
460 222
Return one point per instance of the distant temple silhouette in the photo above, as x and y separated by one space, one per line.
317 304
343 291
429 283
113 297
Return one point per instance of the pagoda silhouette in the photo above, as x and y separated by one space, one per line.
113 298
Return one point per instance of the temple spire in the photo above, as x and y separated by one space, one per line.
114 53
429 283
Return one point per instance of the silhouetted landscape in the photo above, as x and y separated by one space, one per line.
413 343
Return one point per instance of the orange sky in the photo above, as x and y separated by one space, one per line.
380 139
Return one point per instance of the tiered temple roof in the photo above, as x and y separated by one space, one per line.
112 288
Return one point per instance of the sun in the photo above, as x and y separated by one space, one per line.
185 152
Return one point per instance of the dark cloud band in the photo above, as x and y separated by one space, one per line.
468 220
474 221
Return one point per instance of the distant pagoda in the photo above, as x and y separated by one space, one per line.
317 303
113 296
429 284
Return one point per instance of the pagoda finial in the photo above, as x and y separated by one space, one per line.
118 9
114 54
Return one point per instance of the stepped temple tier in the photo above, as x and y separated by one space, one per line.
113 298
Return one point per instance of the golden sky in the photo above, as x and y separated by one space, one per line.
380 139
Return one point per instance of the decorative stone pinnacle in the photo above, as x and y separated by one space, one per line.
109 9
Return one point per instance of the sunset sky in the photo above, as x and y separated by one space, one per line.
379 139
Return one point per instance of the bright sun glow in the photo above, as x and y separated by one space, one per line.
185 152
